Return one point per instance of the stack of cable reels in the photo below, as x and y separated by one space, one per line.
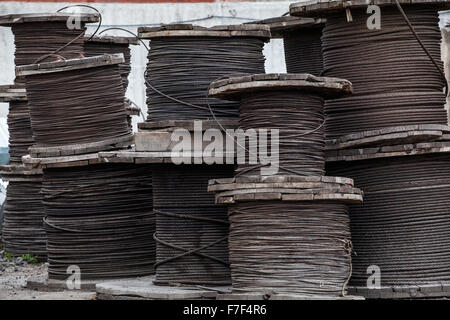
302 43
98 216
392 137
389 91
289 229
23 229
184 59
98 45
46 36
191 232
82 99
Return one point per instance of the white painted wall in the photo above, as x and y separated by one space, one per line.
132 16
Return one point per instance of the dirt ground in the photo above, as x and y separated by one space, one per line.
13 276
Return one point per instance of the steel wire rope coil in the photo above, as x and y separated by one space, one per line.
183 68
303 51
188 220
403 226
93 48
23 229
77 106
299 118
293 248
34 40
395 83
20 132
99 218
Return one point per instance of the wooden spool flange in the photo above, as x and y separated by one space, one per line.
389 136
325 7
70 64
12 93
113 39
279 26
285 188
11 19
189 30
20 173
233 88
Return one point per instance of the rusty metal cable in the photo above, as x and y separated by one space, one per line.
403 225
395 82
180 70
294 248
82 106
23 229
20 132
303 51
191 231
99 218
299 118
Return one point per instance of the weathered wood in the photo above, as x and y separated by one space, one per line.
71 64
11 169
10 93
113 39
62 162
323 7
279 26
419 291
76 149
387 151
188 30
171 125
272 296
232 88
10 19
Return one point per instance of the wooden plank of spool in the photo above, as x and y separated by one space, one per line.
279 26
272 296
388 151
438 290
10 93
22 177
230 191
232 88
323 7
82 148
189 30
19 170
62 162
10 19
390 136
171 125
71 64
113 39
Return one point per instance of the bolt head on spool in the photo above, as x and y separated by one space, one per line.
234 87
12 19
10 93
322 8
189 30
285 188
279 26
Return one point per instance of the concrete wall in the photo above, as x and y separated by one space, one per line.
133 15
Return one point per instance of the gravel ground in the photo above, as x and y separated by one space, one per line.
13 276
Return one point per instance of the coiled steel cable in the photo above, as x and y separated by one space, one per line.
23 229
100 219
191 231
84 105
303 51
183 68
404 223
294 248
20 133
389 89
299 118
36 40
93 48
